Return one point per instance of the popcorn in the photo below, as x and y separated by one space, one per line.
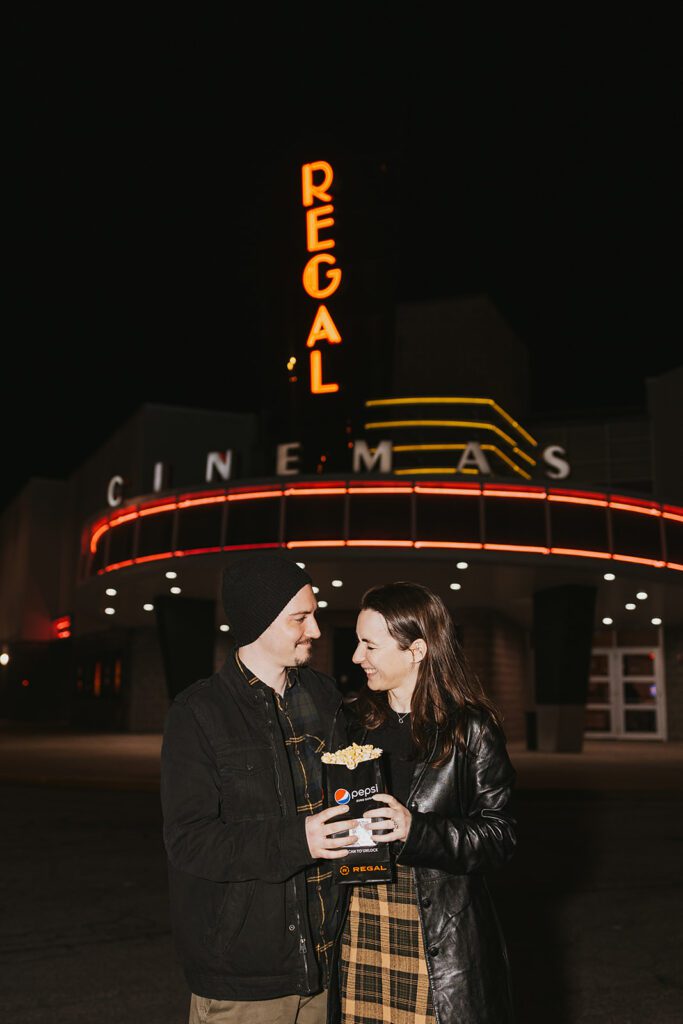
352 756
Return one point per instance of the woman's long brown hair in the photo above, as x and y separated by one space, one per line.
446 685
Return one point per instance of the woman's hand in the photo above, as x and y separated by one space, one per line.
394 816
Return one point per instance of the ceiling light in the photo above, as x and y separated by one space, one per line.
656 621
175 590
629 607
109 611
148 607
609 576
223 627
641 595
4 658
322 604
337 583
110 592
316 590
302 565
171 575
462 565
456 586
607 621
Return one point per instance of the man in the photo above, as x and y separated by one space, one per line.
253 910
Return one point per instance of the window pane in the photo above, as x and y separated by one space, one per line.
638 664
448 518
598 693
156 534
640 693
597 720
578 526
640 721
379 517
254 522
121 543
314 517
599 665
636 534
513 521
200 527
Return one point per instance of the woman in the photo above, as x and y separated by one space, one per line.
427 948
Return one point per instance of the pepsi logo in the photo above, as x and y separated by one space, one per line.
341 796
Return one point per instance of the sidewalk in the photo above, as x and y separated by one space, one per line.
49 756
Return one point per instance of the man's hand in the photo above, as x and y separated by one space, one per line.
321 827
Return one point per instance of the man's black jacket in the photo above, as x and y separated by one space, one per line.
236 847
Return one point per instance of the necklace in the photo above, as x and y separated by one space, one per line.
401 716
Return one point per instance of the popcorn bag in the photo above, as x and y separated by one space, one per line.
351 777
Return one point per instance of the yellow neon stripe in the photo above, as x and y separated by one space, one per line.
518 451
458 447
456 401
432 469
383 424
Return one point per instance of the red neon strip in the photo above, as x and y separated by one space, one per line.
513 494
118 565
380 543
315 543
293 492
379 485
516 547
190 502
641 561
446 544
313 484
576 494
65 635
674 565
123 519
644 502
672 515
380 490
464 491
153 510
250 487
635 508
197 551
580 553
521 490
579 501
248 547
153 558
97 533
252 495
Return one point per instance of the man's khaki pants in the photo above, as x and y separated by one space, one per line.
286 1010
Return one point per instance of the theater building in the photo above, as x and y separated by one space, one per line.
556 543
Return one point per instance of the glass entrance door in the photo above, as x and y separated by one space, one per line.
626 694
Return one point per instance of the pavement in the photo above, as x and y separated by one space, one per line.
590 904
54 756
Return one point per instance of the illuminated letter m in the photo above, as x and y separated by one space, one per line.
363 458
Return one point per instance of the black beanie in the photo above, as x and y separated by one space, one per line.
255 590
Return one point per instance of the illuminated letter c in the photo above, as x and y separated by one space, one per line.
114 491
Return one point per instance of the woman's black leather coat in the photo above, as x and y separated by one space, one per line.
461 828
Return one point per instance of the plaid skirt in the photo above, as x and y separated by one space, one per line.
382 969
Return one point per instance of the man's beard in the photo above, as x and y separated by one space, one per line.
303 654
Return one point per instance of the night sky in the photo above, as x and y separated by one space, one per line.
533 161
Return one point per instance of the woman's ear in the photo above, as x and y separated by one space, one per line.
418 649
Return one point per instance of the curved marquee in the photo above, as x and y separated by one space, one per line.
379 514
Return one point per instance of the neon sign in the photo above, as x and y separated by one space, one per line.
316 180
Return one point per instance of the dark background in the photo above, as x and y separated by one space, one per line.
531 158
